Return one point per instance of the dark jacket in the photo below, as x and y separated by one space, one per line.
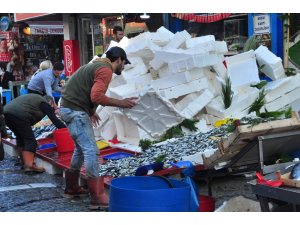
32 108
7 76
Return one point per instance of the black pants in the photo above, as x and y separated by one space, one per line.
23 131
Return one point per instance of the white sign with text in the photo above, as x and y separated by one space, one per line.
261 24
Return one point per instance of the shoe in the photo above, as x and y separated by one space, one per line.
99 199
29 165
72 185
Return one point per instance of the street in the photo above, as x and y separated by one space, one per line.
19 194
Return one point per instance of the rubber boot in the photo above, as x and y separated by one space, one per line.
72 185
29 165
99 199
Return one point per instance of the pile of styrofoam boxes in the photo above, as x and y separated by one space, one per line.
177 77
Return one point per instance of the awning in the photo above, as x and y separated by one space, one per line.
201 17
26 16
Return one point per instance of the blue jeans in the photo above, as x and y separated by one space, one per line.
81 130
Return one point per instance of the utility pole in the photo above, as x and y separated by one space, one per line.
286 40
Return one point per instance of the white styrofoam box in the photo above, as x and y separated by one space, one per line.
127 130
278 88
184 89
174 79
154 114
273 67
192 42
220 46
193 103
163 30
108 131
124 42
196 60
128 90
221 70
178 39
239 204
283 101
238 108
242 69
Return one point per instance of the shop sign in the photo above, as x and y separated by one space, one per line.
71 56
261 24
49 29
5 23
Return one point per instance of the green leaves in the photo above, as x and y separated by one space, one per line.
259 85
227 93
258 103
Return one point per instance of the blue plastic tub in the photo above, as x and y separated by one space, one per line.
148 194
117 155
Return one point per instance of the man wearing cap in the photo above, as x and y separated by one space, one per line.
83 92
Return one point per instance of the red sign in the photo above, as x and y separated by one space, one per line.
71 56
26 16
202 17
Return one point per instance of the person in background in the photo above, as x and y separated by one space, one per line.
5 77
44 82
118 33
80 98
22 113
43 66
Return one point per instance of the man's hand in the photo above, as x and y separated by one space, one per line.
95 119
129 102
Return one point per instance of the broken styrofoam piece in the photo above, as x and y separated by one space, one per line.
221 70
174 79
191 104
278 88
184 89
154 114
127 130
196 60
128 90
239 106
192 42
135 71
283 101
242 69
195 159
160 38
116 80
178 39
210 119
140 81
272 65
239 204
156 63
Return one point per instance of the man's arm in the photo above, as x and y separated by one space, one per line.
49 111
102 79
47 83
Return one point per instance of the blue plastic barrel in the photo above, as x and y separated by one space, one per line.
148 194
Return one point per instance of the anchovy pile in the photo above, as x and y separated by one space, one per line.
43 131
174 149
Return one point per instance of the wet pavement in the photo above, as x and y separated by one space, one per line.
39 199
